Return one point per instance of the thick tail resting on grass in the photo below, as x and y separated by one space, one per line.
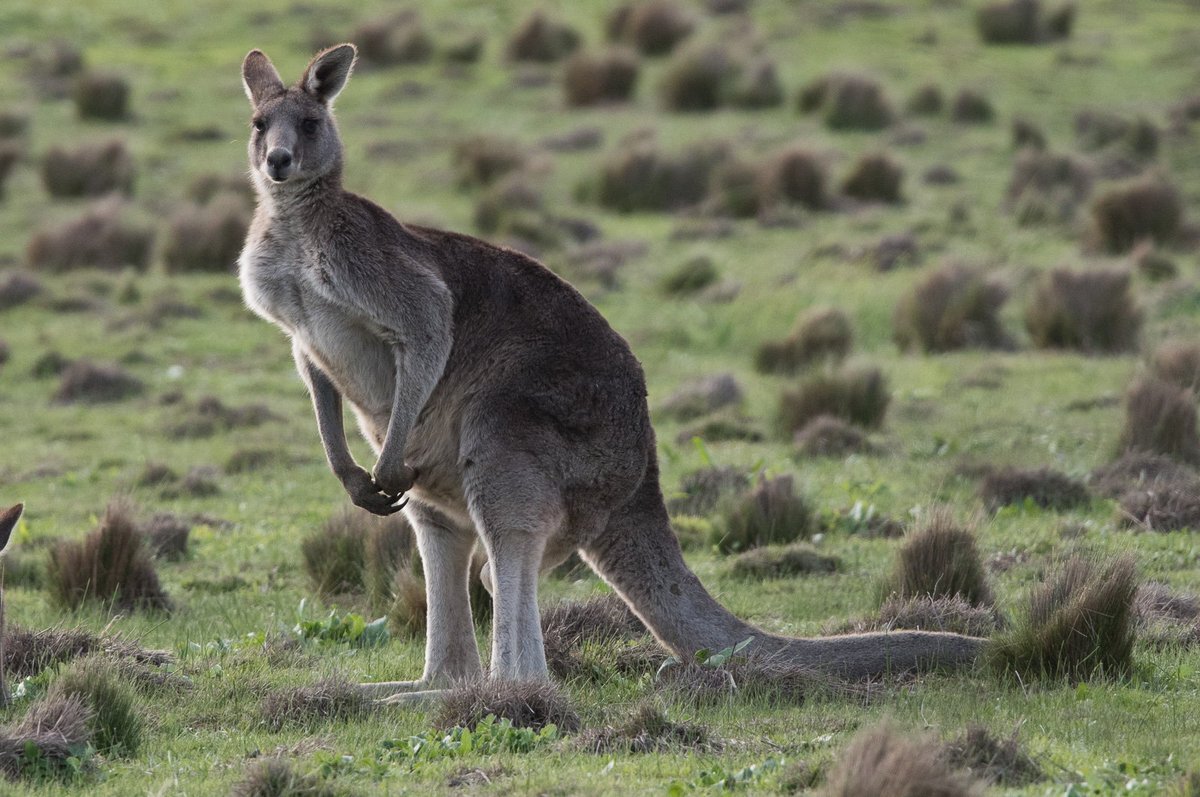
640 558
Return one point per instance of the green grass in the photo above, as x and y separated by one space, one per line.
244 577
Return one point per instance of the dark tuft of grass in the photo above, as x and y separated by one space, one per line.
927 100
111 564
638 176
857 395
278 777
116 722
691 276
542 38
770 514
940 560
17 288
209 415
101 95
999 761
926 613
1078 624
885 760
875 177
1147 208
953 307
206 238
1047 187
85 382
395 40
654 27
335 554
828 436
53 731
104 236
649 730
1009 22
332 699
971 107
1045 487
1160 418
1139 471
482 160
702 491
88 170
1091 311
595 78
756 85
796 559
821 335
1178 361
27 653
702 396
526 704
1169 506
1026 134
697 78
847 102
795 175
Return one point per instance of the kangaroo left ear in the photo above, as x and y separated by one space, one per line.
8 522
327 73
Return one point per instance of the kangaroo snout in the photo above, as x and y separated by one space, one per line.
279 164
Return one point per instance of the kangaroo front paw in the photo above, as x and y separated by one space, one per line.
394 481
365 493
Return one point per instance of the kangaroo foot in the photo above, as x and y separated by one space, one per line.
412 698
379 690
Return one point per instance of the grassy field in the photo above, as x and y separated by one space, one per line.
187 336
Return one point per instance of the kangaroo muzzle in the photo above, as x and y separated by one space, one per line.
279 164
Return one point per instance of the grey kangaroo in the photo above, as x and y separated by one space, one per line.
502 408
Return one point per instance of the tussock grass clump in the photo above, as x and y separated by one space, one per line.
104 236
394 41
526 704
277 777
697 78
10 153
167 536
1045 487
797 559
858 395
1169 506
654 27
734 190
756 85
971 107
514 194
827 436
702 491
702 396
13 123
543 39
27 653
101 95
88 170
111 565
332 699
722 426
795 176
1165 617
209 415
927 100
875 177
953 307
1015 22
640 177
1047 187
335 555
691 276
1160 418
482 160
649 730
1097 129
820 335
594 78
85 382
940 560
567 626
1139 471
1147 208
886 760
847 102
770 514
1092 311
1152 263
926 613
1178 361
1078 624
116 724
997 760
1026 134
206 238
774 679
18 288
51 732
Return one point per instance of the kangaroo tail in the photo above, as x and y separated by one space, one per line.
639 556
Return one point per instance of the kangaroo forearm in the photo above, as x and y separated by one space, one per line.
327 403
417 373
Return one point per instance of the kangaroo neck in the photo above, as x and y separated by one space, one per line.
302 208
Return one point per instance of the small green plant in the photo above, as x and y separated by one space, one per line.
489 737
349 628
706 659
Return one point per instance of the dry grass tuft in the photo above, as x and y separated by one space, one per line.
88 170
702 396
335 555
971 107
1147 208
702 491
332 699
85 382
953 307
597 619
638 176
1097 129
10 153
1045 487
543 39
648 730
654 27
828 436
927 100
1160 418
1047 187
595 78
1169 506
769 514
277 777
1078 625
18 288
526 704
206 238
1165 618
1178 362
394 40
51 732
774 680
875 178
102 95
858 395
794 175
102 237
1026 134
209 415
848 102
999 761
1092 311
821 335
1138 471
1010 22
797 559
691 276
698 78
925 613
116 724
111 564
1152 263
756 85
482 160
886 760
940 560
27 653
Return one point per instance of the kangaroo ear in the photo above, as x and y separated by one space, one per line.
328 72
8 522
259 77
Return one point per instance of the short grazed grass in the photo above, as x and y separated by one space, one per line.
242 590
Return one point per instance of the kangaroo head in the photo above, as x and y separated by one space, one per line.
293 136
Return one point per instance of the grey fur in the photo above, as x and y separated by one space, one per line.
495 397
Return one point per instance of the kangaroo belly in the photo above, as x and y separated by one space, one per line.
361 365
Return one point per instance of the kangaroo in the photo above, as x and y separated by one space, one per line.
500 405
8 522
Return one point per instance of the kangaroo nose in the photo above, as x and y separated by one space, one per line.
278 161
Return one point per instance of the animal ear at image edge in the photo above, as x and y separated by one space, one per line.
260 79
327 73
8 522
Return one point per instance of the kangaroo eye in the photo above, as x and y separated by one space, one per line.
259 125
310 126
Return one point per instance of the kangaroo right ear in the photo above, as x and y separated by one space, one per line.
8 522
328 72
260 78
